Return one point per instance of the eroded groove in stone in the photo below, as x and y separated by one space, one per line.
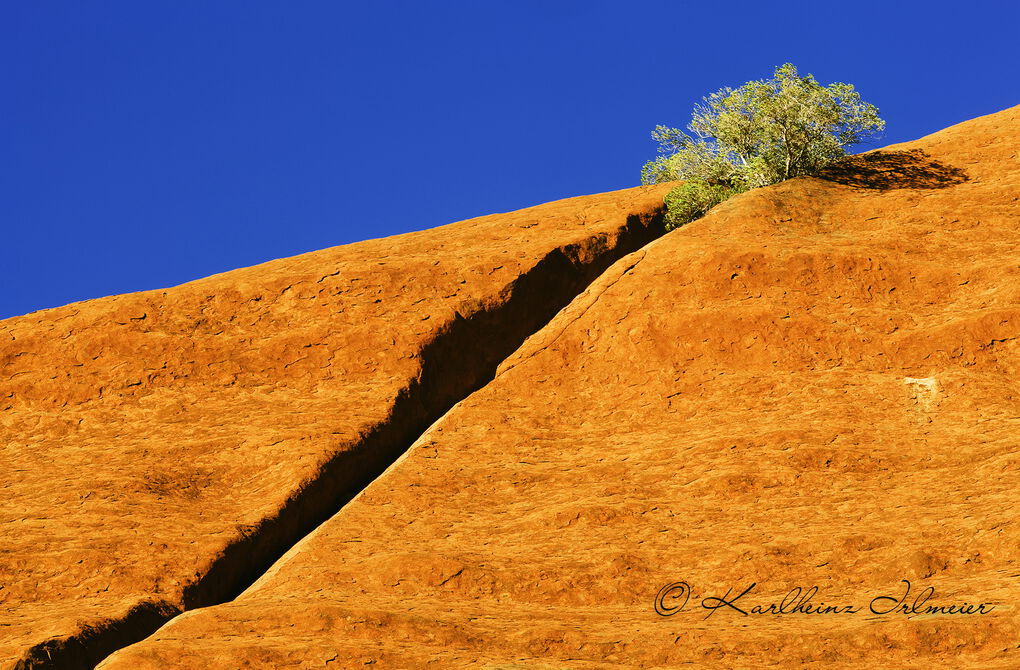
459 361
460 357
91 645
814 386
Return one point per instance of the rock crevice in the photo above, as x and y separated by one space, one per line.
461 357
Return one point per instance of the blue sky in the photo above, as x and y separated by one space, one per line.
146 144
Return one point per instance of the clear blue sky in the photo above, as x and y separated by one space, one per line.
148 143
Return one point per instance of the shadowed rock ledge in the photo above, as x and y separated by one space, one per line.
164 448
812 386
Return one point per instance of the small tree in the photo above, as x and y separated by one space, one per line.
759 134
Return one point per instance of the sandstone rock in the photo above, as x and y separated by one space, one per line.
815 385
161 449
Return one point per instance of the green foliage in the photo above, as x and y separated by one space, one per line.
759 134
691 200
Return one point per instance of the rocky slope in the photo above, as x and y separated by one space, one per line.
813 386
162 449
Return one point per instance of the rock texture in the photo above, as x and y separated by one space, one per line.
161 449
815 385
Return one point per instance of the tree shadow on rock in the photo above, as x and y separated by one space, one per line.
893 169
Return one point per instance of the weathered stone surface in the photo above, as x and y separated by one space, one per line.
161 449
815 385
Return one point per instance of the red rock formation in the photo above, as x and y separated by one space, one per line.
161 449
815 385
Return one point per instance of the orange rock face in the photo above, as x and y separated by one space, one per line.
162 449
813 386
